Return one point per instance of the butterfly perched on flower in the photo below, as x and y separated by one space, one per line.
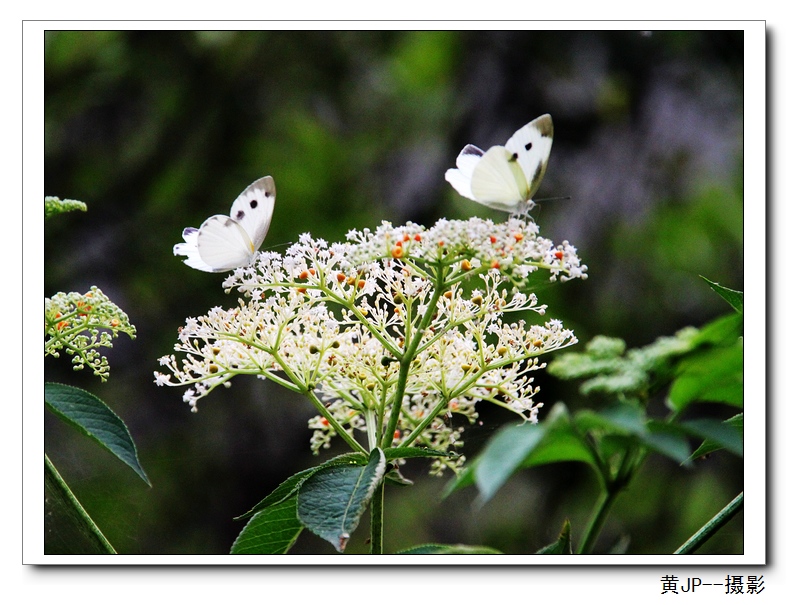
506 177
227 242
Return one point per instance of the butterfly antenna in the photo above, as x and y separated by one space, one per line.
278 245
553 199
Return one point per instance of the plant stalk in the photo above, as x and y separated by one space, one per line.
376 522
598 518
712 527
407 358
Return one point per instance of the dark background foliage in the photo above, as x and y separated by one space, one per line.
157 130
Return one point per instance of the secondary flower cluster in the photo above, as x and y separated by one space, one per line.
391 332
80 324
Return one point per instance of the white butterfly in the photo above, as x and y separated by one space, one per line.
506 177
227 242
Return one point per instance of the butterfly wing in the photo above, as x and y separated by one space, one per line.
253 209
497 180
460 177
223 244
530 148
188 248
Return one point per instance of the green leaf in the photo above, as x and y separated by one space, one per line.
465 478
332 500
561 441
449 549
733 297
271 531
737 422
621 419
562 546
666 439
291 484
285 490
711 375
68 528
622 426
526 445
504 454
728 434
396 477
91 416
725 330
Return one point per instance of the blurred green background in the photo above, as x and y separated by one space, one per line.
157 130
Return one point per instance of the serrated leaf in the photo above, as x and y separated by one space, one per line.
449 549
283 491
562 546
332 500
93 418
733 297
704 449
271 531
728 435
291 484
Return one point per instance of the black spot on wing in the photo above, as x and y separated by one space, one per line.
528 146
253 203
239 215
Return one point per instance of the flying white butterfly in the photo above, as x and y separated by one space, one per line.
227 242
506 177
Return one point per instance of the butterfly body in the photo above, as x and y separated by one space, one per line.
506 177
224 242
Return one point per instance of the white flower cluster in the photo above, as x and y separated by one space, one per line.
391 332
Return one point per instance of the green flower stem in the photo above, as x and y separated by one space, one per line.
598 518
613 486
56 482
712 527
348 438
423 424
350 305
376 521
409 355
309 392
